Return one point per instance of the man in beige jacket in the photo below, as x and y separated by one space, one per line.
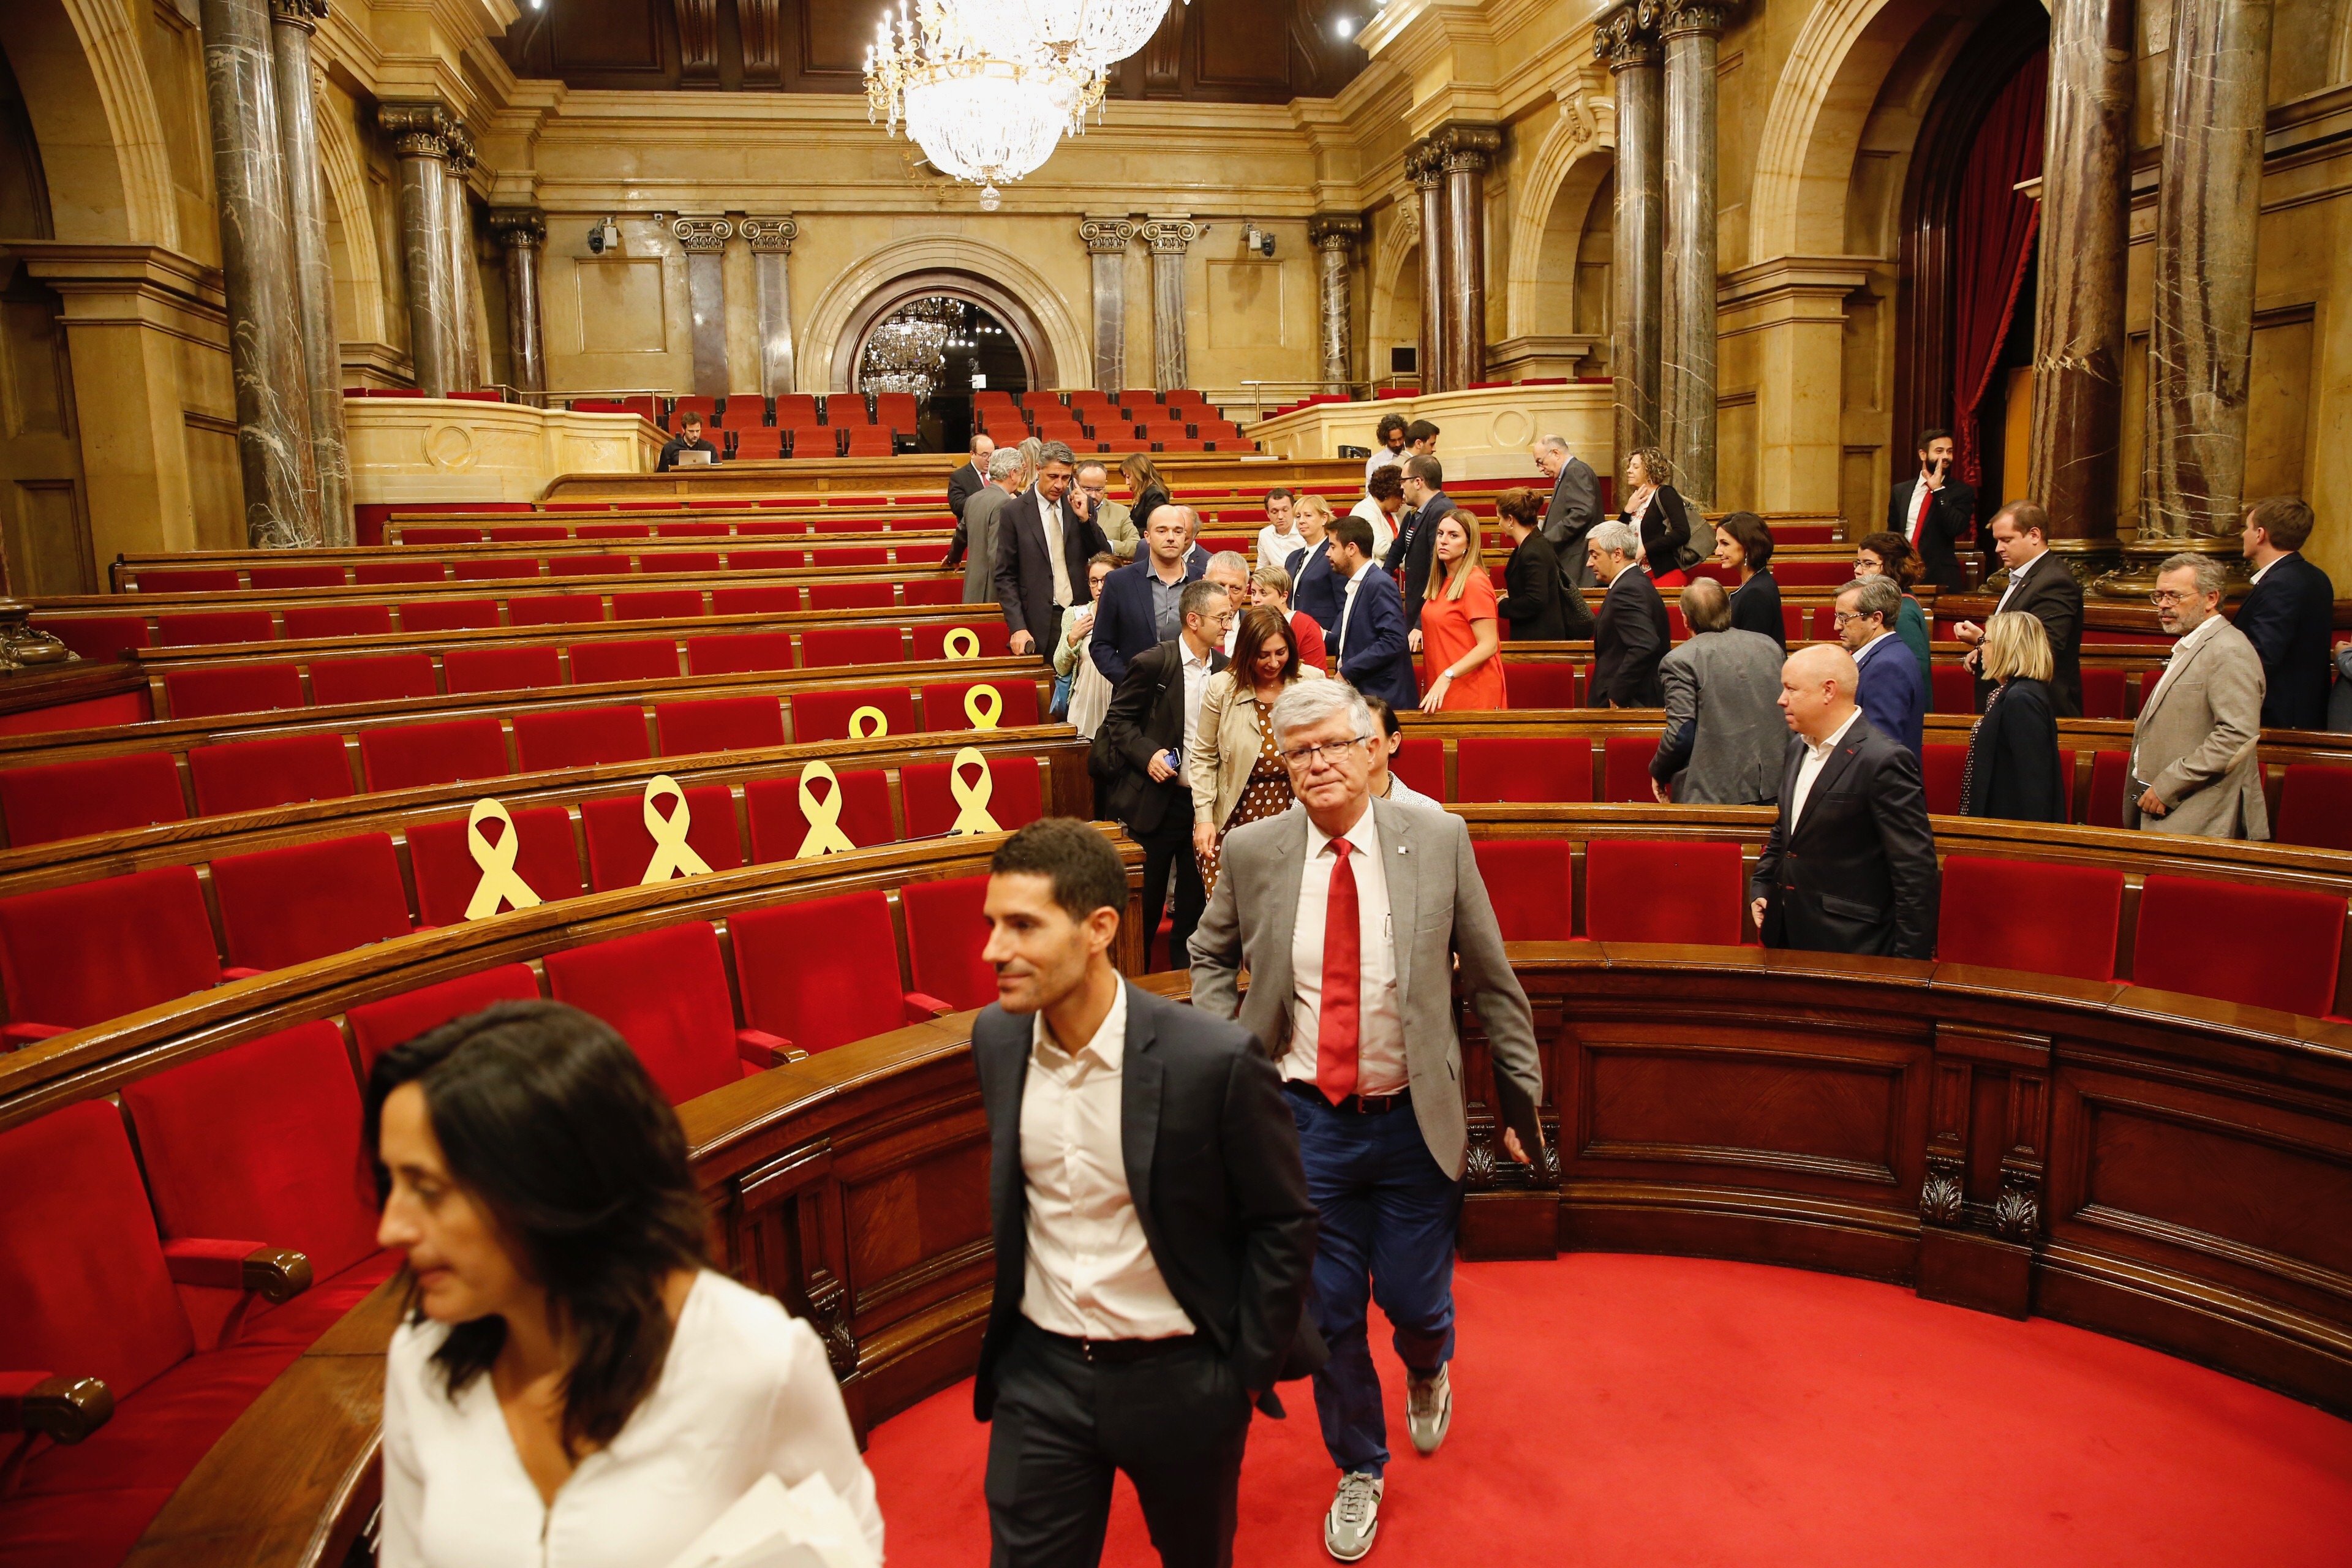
2194 767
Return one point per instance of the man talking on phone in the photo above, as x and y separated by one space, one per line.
1932 509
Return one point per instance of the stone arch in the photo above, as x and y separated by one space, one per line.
351 228
1395 277
1569 169
1009 289
84 81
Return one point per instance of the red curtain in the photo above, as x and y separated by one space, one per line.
1992 236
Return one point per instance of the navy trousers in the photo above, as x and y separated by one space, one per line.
1388 1220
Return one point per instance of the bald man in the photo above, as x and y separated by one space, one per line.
1851 864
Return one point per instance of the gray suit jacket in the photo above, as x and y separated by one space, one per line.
2194 744
1575 508
1441 913
1725 730
979 528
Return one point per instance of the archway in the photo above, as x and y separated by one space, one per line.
941 348
1008 288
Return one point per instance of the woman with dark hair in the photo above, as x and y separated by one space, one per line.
1657 510
1144 483
1892 554
573 1384
1538 602
1236 774
1743 543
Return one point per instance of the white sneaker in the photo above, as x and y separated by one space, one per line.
1428 1409
1354 1519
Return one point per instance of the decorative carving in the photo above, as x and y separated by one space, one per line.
1107 236
1628 37
461 149
418 130
762 26
1424 165
1172 237
830 1306
303 14
2017 1211
702 235
768 236
1942 1198
523 228
1464 147
697 38
23 645
1335 231
1479 1167
1678 17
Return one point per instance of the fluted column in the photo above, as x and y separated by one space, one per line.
1466 151
1627 39
521 232
1335 237
771 239
1107 241
1169 238
419 137
265 314
291 24
1691 30
465 285
705 239
1425 166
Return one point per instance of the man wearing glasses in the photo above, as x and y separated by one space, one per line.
2195 767
2041 586
1891 694
1353 917
1113 516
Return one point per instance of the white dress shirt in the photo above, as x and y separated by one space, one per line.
2016 575
745 1392
1817 756
1871 647
1347 608
1377 517
1380 1035
1382 457
1089 1272
1275 547
1049 517
1196 686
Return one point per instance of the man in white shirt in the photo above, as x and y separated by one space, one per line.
1388 446
1146 1296
1280 540
2195 766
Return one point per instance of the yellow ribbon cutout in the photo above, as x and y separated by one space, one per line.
981 704
967 647
824 816
673 856
881 723
972 798
499 884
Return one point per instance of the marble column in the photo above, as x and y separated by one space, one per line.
1107 241
521 232
1169 238
2201 334
1629 43
771 239
292 22
705 239
420 140
1691 30
1466 150
465 285
1335 237
1425 166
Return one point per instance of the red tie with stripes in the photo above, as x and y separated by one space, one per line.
1919 515
1337 1022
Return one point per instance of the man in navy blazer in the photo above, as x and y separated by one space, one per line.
1139 601
1368 643
1891 694
1416 542
2290 615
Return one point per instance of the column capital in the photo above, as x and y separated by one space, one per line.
461 148
1107 236
1172 236
1626 38
1688 18
702 235
419 129
1456 147
519 229
1335 231
768 236
1424 164
303 14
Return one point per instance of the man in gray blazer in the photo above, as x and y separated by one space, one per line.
2194 765
1350 914
975 543
1725 738
1575 506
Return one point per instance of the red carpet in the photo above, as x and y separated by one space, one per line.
1653 1411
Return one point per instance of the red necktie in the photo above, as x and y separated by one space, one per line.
1919 516
1337 1022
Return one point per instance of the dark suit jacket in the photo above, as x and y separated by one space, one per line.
2052 596
1024 571
2014 769
963 485
1415 542
1859 873
677 444
1666 529
1575 508
1315 588
2289 617
1532 606
1145 718
1890 694
1950 515
1630 638
1373 658
1212 1159
1756 607
1124 622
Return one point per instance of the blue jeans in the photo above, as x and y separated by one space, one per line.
1389 1217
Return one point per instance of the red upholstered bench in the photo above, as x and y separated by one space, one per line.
232 688
1419 762
1643 891
447 875
188 580
930 590
852 595
377 1027
944 928
252 776
102 637
514 667
826 646
2314 807
1015 796
1944 763
1530 882
2032 915
2108 783
554 609
588 566
665 992
494 569
825 715
281 907
1553 683
106 794
214 627
779 827
389 573
931 640
449 615
294 576
767 599
1508 768
630 659
77 956
719 724
411 756
1626 770
2264 947
621 846
580 737
658 605
824 971
949 706
2103 693
740 653
1954 689
375 677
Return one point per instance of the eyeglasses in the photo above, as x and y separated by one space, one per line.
1303 757
2164 596
1841 617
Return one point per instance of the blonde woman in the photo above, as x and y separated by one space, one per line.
1461 630
2013 769
1236 775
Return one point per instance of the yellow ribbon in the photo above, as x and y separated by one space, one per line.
981 704
824 816
972 798
968 648
499 884
881 723
673 856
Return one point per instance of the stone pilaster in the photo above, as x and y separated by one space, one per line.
1335 237
1465 151
1169 239
1424 165
465 285
705 240
1107 239
771 239
1627 39
1691 30
420 138
521 232
292 23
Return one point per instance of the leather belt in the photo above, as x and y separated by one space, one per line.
1354 1104
1116 1353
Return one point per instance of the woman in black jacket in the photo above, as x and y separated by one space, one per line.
1658 510
1743 543
1537 604
1150 491
2014 768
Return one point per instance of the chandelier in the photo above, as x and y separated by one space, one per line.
983 106
908 350
1089 35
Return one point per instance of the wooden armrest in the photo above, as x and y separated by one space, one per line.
63 1409
921 1007
14 1037
762 1049
273 1273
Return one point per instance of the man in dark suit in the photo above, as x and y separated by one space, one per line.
1139 601
1368 642
1154 715
1630 631
1891 694
1575 506
1932 510
2289 615
1154 1233
1044 540
965 482
1416 541
2039 586
1851 864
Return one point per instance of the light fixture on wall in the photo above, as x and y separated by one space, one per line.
983 108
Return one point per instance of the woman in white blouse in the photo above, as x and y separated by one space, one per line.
573 1387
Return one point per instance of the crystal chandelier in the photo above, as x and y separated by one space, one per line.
908 350
1089 35
983 106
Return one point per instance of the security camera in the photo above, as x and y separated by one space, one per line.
1254 238
604 237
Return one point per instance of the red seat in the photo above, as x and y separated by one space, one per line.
1529 882
769 559
102 637
254 776
778 826
377 1027
554 610
664 992
546 859
1626 770
580 737
510 667
825 715
410 756
1419 762
824 972
187 580
380 678
448 615
287 906
1552 683
740 653
2264 947
2045 918
658 605
2103 693
930 590
232 688
720 724
2107 781
1498 768
1636 891
852 595
105 794
945 934
930 639
81 955
1955 690
587 565
596 660
620 847
495 569
768 599
2314 807
414 533
295 577
613 530
338 620
1015 797
1944 764
826 646
527 533
947 706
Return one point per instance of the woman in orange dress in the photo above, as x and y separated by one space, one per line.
1461 632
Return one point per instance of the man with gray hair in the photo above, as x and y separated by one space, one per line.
2194 764
1893 699
975 536
1230 570
1575 505
1044 541
1355 918
1630 631
1725 738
